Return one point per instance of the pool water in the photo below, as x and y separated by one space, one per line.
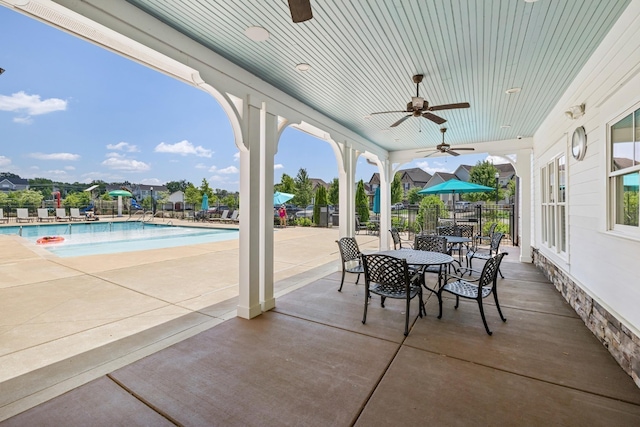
117 237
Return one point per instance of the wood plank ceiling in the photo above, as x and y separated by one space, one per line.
363 54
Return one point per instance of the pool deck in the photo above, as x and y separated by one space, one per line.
66 321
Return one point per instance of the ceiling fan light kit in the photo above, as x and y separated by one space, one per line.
446 148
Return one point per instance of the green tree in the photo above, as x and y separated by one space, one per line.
174 186
428 213
334 192
511 190
193 196
43 185
413 196
321 200
362 203
230 200
77 199
27 197
302 188
397 192
483 173
206 189
286 185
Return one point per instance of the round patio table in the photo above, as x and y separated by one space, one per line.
419 258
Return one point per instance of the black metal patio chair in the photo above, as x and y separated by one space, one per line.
476 289
485 254
397 241
351 258
389 277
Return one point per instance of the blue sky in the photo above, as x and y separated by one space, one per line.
71 111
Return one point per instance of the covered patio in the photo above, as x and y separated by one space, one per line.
535 73
311 361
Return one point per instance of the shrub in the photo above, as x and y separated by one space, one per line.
303 222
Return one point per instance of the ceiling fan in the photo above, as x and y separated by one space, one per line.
446 148
418 107
300 10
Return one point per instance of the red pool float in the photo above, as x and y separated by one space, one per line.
50 239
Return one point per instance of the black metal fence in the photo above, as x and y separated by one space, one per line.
481 216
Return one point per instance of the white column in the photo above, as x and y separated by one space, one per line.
347 185
251 216
523 168
269 137
386 177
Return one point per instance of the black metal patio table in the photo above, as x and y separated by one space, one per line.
422 259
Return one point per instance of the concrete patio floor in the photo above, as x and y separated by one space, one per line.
311 361
66 321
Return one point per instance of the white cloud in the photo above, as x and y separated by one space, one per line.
183 148
278 166
123 146
4 161
32 104
55 156
118 162
23 120
70 168
236 156
229 170
496 160
431 169
152 181
57 172
200 166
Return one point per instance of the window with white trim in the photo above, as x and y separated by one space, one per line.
554 203
624 172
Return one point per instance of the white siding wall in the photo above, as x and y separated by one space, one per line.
605 265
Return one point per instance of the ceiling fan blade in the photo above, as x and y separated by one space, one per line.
453 153
464 149
300 10
385 112
431 154
449 106
436 119
400 121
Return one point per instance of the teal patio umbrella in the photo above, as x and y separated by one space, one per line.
281 198
455 186
376 201
205 203
120 194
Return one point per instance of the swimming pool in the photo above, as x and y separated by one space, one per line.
97 238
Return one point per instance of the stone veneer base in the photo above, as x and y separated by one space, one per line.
622 343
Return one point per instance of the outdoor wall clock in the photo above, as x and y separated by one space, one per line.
579 143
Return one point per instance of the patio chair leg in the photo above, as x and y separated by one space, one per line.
358 279
406 318
366 303
486 327
342 281
500 273
495 298
457 302
440 304
382 301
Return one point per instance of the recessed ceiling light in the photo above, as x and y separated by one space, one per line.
513 90
530 1
384 130
505 126
302 67
257 34
367 117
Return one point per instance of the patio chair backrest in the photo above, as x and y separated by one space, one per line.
488 278
431 243
1 213
466 230
43 213
22 213
496 238
391 273
395 235
75 211
61 212
449 230
349 250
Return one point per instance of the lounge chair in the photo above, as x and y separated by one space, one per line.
22 215
61 215
223 217
233 218
2 217
43 215
75 215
